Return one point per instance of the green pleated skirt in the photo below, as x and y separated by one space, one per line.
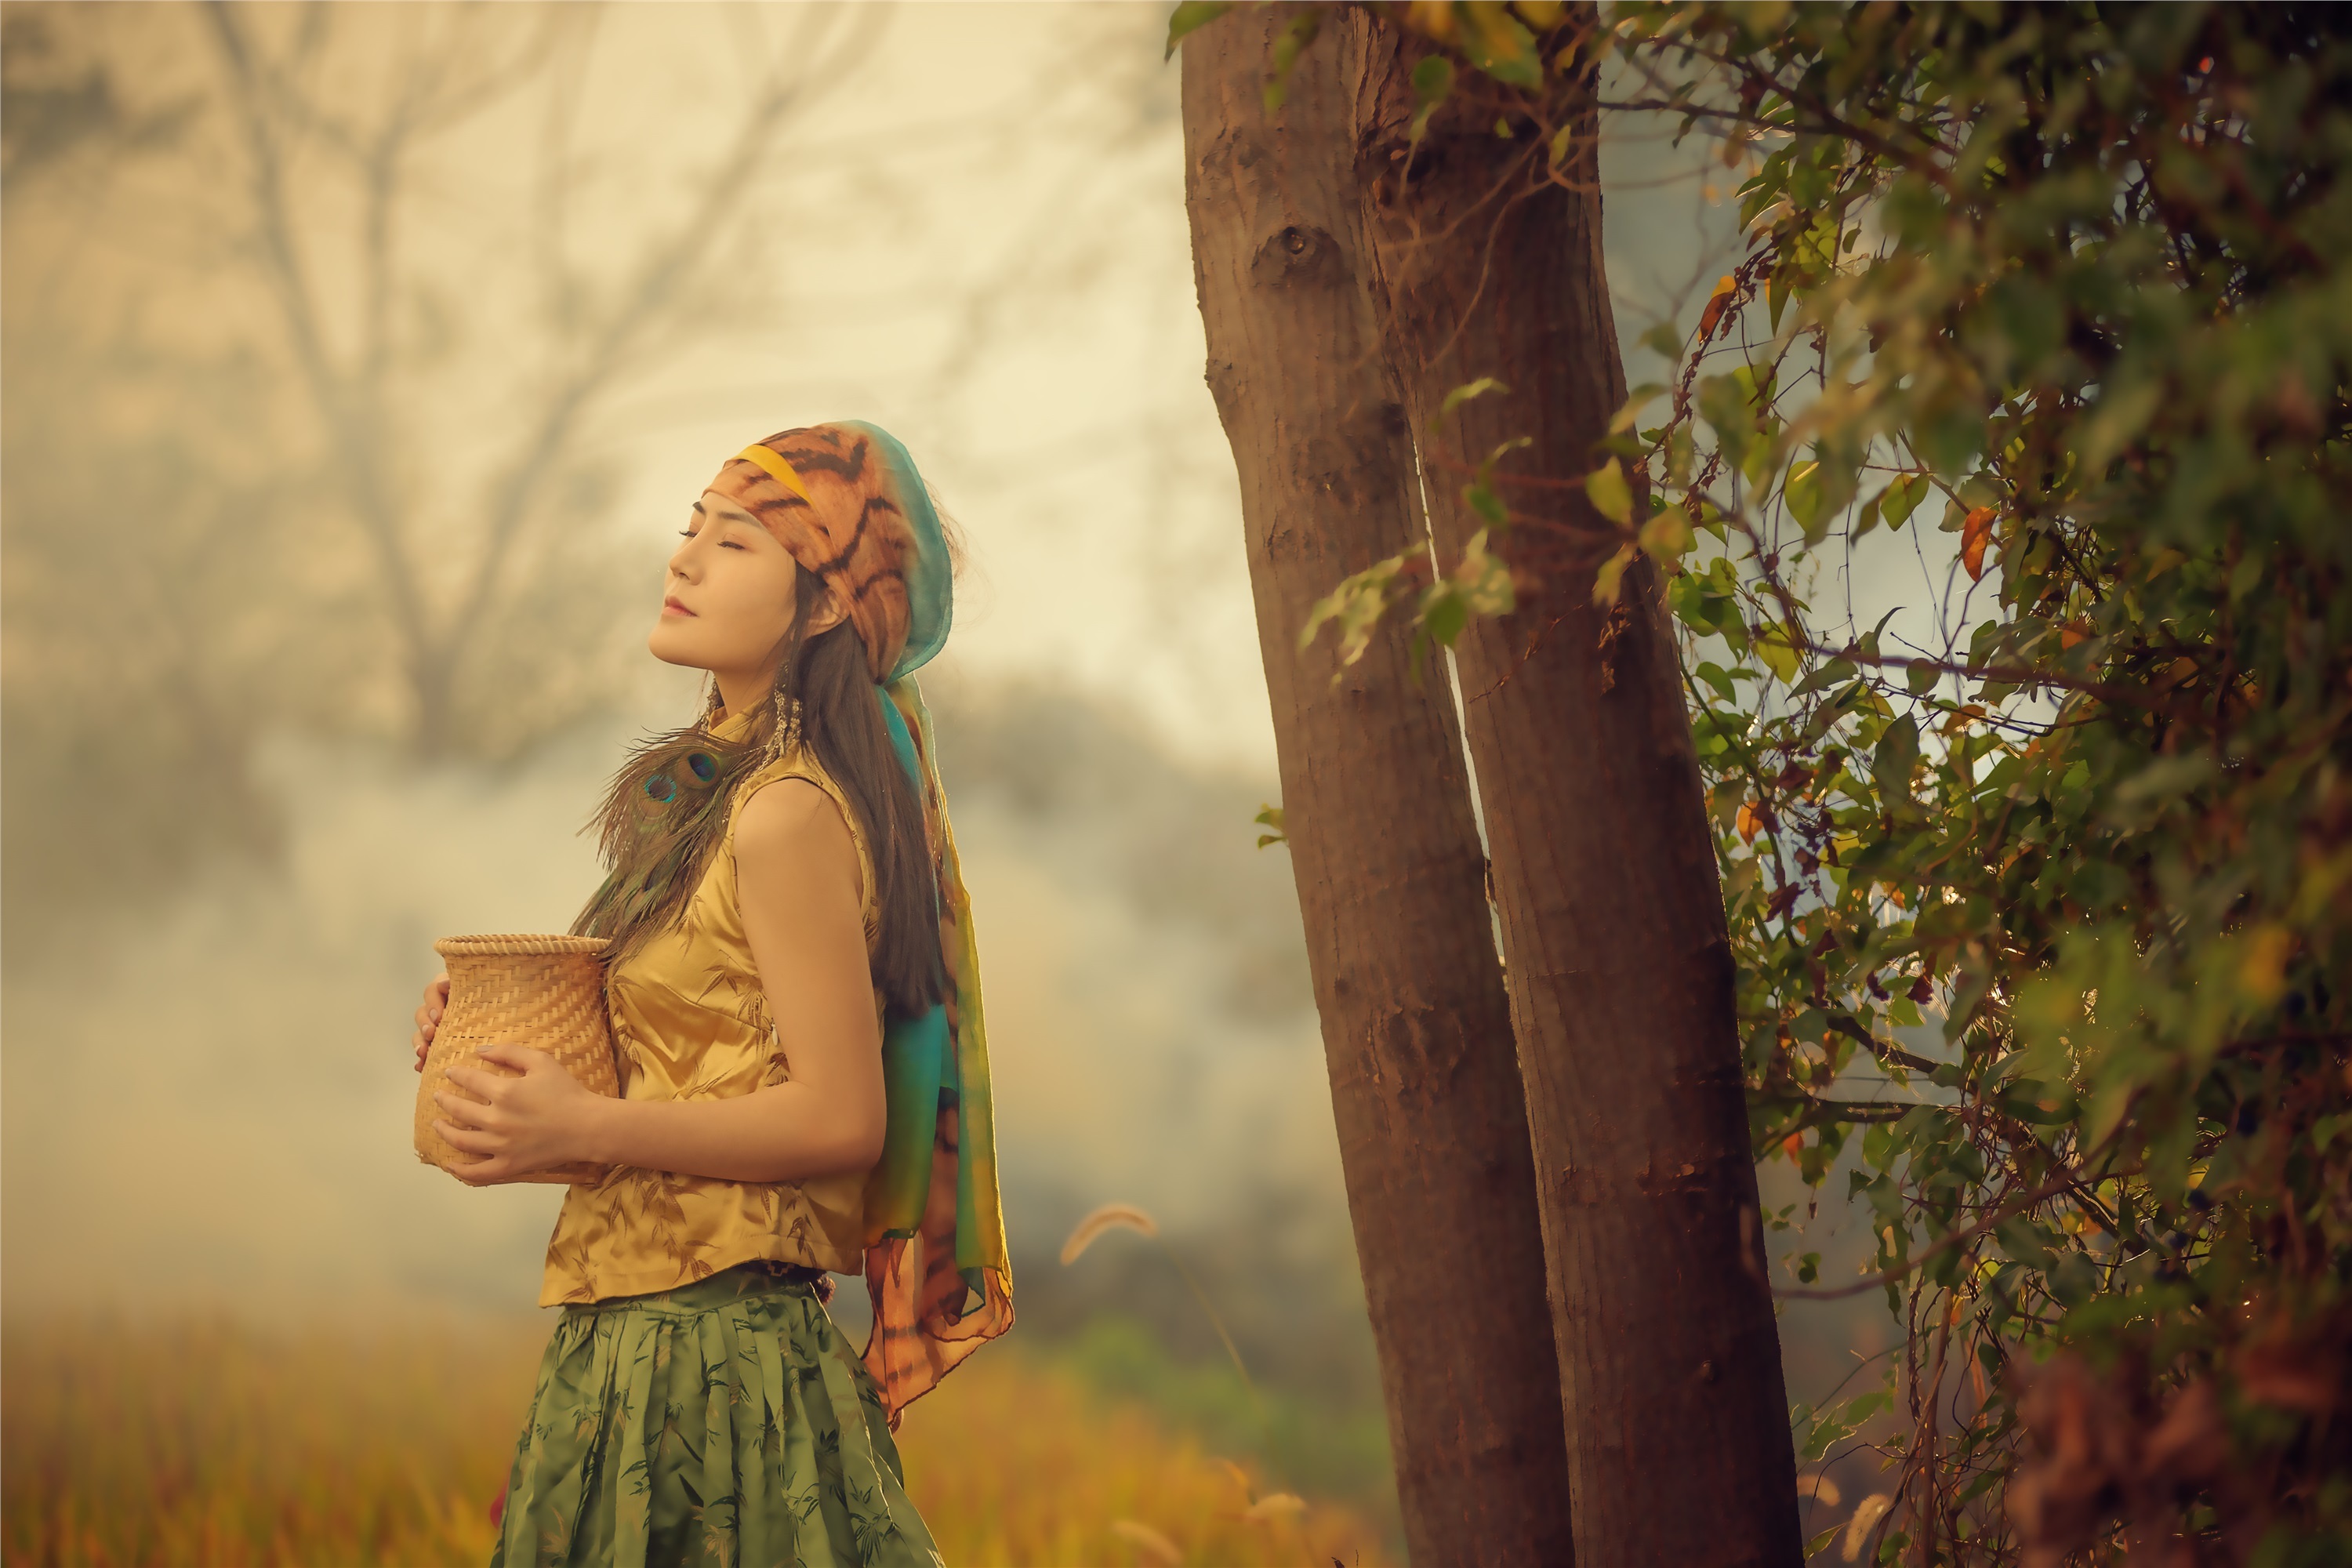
724 1422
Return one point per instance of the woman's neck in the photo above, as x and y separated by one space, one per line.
738 693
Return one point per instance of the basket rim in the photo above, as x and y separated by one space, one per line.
517 944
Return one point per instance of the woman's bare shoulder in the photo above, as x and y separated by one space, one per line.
791 820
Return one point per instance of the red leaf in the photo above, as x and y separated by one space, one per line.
1975 531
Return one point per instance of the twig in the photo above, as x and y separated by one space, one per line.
2019 675
1944 1243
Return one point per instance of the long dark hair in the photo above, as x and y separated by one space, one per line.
667 810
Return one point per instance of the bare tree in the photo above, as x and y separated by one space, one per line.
281 104
316 318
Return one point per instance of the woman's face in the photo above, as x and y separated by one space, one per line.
728 600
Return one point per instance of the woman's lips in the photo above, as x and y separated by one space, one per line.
670 606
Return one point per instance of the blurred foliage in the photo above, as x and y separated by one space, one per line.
1076 784
2038 894
1299 1441
155 1446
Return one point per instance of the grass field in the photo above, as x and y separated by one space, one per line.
213 1446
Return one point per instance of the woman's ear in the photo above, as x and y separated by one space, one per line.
827 613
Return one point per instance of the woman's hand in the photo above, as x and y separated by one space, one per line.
521 1124
428 1016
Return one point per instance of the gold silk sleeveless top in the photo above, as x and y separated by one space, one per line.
691 1021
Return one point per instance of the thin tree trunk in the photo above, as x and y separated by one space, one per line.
1416 1028
1619 967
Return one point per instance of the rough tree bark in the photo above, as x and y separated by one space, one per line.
1619 967
1424 1082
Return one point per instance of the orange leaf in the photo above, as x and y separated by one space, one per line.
1975 531
1724 289
1793 1144
2071 632
1749 821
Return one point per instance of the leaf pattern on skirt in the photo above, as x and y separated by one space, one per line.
736 1426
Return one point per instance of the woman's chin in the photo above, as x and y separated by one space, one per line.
666 644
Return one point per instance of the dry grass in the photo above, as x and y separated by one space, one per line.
1011 1463
226 1447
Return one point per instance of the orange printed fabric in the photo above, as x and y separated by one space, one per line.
849 531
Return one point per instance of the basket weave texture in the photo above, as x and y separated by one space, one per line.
547 991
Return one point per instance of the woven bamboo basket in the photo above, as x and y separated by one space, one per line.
546 992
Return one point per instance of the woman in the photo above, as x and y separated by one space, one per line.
795 997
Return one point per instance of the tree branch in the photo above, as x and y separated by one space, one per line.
671 262
1942 1244
2021 675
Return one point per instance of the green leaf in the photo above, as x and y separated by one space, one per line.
1635 401
1902 498
1483 580
1479 584
2121 414
1270 816
1891 761
1432 80
1191 16
1664 340
1606 488
1489 505
1866 518
1666 535
1499 45
1356 607
1723 404
1462 395
1607 580
1294 37
1803 491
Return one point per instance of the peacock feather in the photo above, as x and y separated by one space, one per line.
663 815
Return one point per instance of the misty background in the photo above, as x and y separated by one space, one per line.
360 364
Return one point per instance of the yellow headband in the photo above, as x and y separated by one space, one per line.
780 470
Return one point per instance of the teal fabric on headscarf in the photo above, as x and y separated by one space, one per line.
930 580
934 1220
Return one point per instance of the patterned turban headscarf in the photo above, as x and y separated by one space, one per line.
846 501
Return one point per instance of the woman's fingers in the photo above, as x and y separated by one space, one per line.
429 1011
481 1173
468 1140
522 1059
464 1113
482 1086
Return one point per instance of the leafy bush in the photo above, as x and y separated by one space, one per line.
2038 890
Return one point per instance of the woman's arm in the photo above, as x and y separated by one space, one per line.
798 880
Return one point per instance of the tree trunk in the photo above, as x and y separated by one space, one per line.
1416 1027
1619 967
